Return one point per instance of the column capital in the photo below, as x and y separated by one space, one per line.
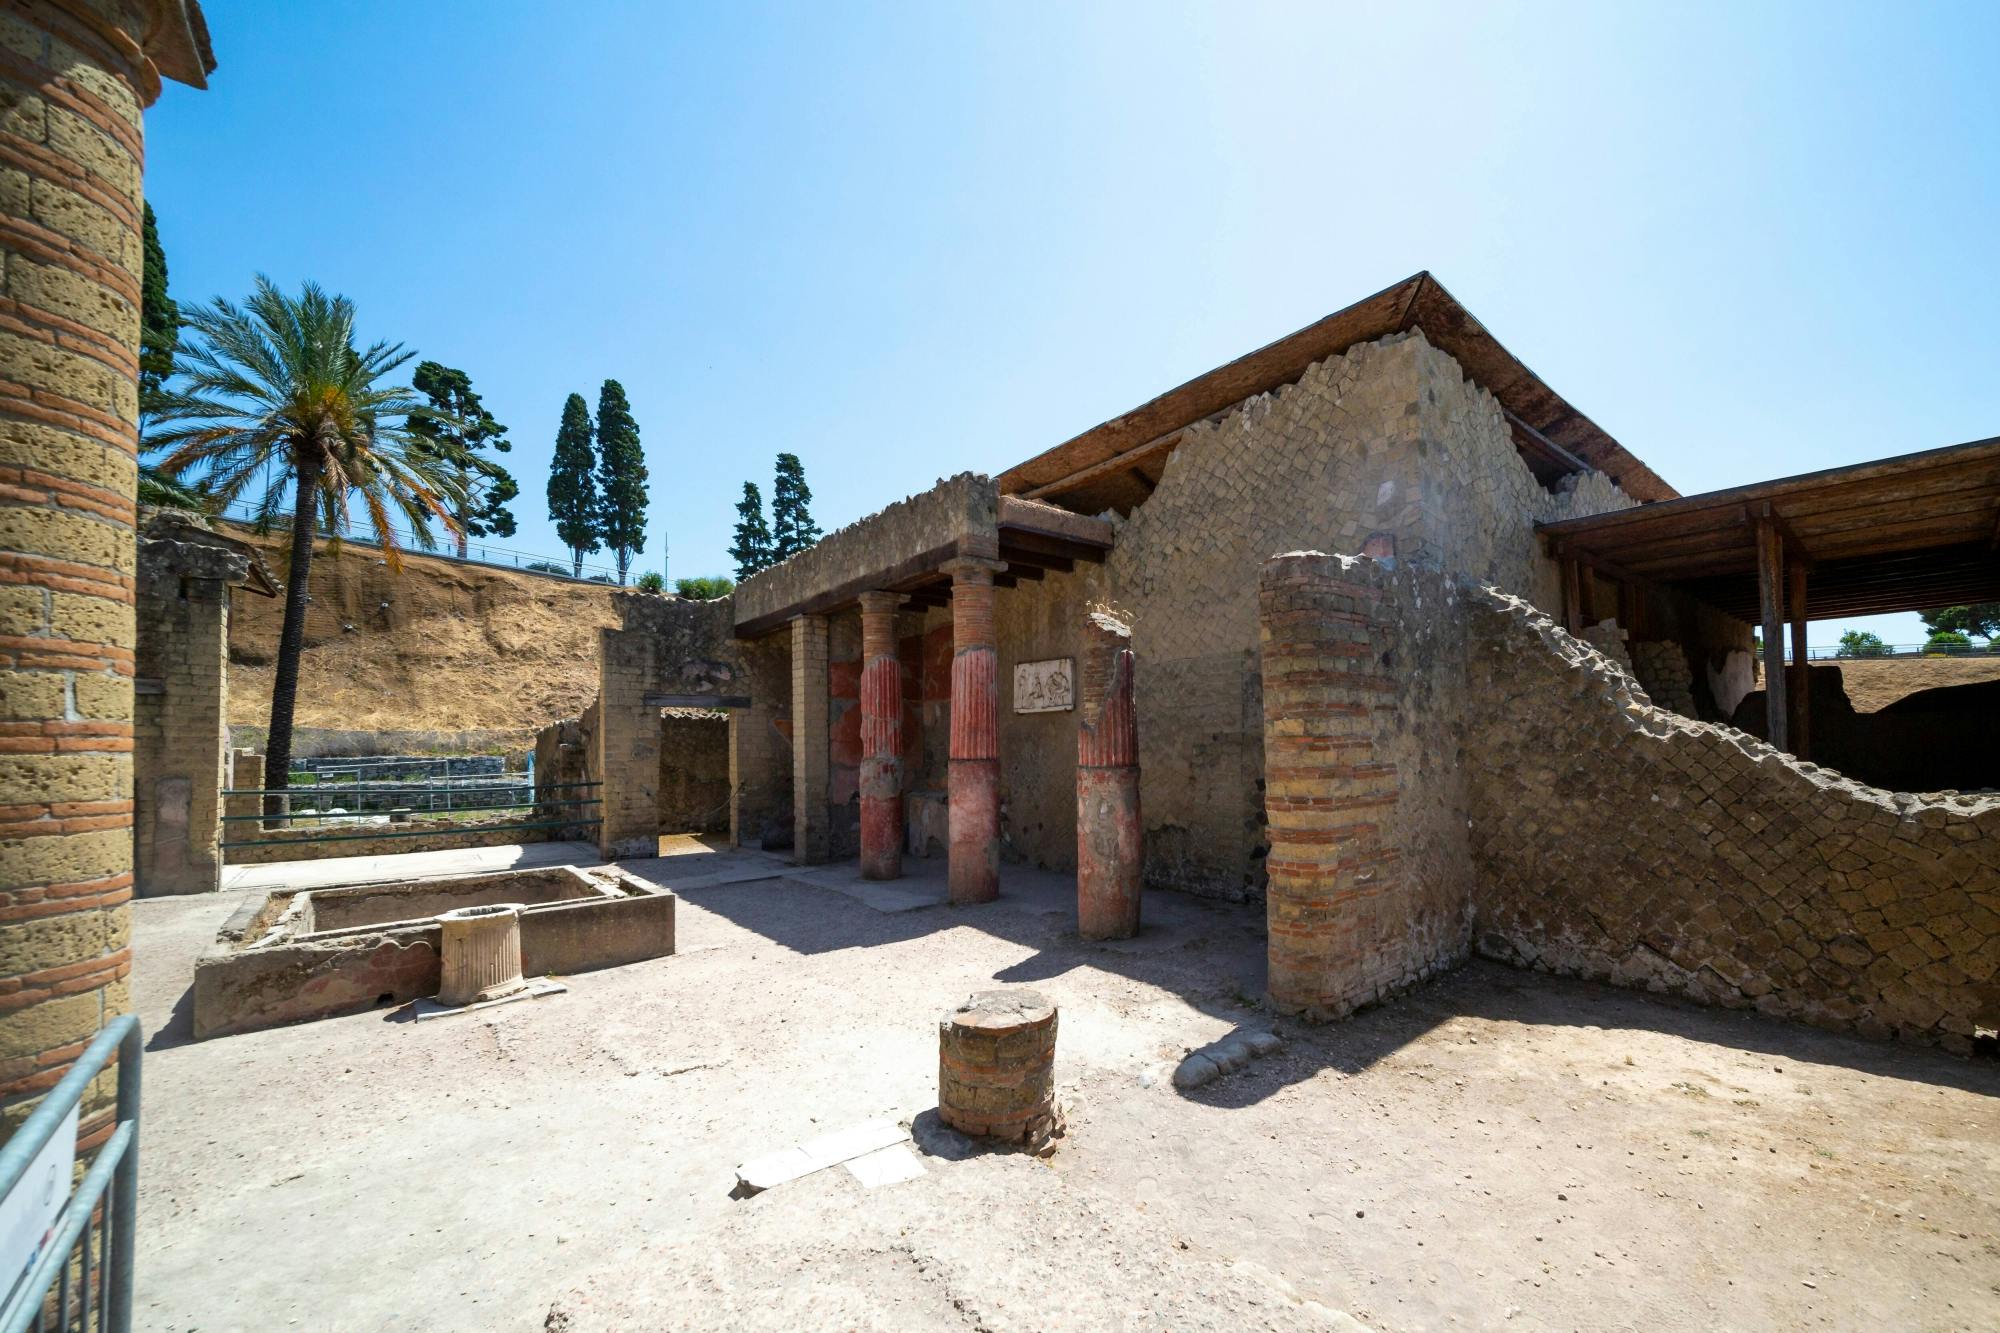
876 602
973 569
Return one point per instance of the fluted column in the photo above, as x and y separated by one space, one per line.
1109 847
881 739
974 817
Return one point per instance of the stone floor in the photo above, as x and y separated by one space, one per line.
1500 1149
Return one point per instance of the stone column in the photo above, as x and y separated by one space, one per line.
881 739
1109 849
812 828
74 76
246 773
974 817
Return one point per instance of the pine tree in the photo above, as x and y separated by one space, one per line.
573 484
459 431
792 526
621 478
159 318
752 549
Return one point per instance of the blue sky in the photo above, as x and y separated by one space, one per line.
905 241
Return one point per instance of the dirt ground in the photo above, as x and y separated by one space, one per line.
423 650
1874 684
1497 1150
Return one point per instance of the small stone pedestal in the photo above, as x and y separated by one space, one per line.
997 1067
481 954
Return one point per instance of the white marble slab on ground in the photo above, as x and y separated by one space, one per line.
802 1159
885 1166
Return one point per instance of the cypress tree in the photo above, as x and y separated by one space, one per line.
752 548
573 484
159 317
621 478
792 526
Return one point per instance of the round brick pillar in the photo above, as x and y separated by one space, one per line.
974 814
1109 846
76 76
881 739
997 1067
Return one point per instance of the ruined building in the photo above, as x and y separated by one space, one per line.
1473 726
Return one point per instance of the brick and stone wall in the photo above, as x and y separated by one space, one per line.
73 79
694 771
760 748
181 731
1371 879
316 844
566 756
1608 838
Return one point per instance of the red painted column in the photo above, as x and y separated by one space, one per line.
974 816
1110 852
881 739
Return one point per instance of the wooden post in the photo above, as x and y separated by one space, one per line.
1571 594
1770 602
1801 684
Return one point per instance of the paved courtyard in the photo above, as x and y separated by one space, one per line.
1499 1149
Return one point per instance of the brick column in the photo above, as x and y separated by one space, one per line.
1328 796
812 829
1109 846
974 816
628 745
183 733
246 773
881 739
73 79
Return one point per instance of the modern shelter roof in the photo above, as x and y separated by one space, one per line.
1115 465
1898 534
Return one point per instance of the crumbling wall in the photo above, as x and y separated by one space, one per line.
1387 448
1623 842
565 760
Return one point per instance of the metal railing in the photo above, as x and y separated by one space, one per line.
102 1275
459 798
445 548
1832 652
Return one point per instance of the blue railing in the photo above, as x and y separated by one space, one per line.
102 1276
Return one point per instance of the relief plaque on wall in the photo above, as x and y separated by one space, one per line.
1045 687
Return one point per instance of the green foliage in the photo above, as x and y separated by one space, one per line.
651 581
1980 618
1860 643
276 403
458 431
705 589
573 484
599 578
1947 641
621 477
159 319
545 567
792 526
159 490
752 548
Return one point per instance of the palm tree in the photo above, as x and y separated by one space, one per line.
274 403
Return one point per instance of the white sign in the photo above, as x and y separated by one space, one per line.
1045 687
30 1208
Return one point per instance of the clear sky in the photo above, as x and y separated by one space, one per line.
904 241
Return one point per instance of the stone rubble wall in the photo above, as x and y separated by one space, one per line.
297 844
1386 448
1661 666
1624 842
694 771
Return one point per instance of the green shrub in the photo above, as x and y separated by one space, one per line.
1860 643
1947 641
651 581
706 588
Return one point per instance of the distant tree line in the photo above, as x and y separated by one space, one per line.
759 545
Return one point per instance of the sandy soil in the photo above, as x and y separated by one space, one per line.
441 646
1500 1149
1874 684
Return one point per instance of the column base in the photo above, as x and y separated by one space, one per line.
881 837
975 830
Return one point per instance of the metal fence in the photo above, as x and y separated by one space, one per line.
244 514
330 812
85 1262
1903 650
